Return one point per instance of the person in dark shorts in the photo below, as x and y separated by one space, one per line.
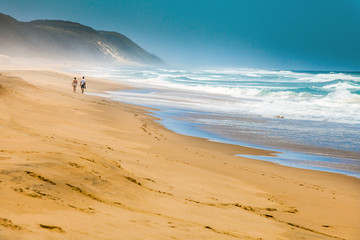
83 84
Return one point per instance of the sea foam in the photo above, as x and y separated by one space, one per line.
315 96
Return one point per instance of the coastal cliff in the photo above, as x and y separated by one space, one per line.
64 40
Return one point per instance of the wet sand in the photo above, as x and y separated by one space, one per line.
75 166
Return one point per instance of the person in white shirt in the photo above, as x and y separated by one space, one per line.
83 84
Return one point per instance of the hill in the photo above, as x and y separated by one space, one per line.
64 40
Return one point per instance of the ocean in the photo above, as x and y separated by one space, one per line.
311 118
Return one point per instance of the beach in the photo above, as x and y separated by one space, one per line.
310 117
79 166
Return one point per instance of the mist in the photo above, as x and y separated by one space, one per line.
280 34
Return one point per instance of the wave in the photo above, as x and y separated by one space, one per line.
328 77
350 85
316 96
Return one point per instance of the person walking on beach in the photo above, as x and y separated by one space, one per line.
83 84
74 84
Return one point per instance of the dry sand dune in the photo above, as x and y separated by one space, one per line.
76 166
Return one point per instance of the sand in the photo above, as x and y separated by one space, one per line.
76 166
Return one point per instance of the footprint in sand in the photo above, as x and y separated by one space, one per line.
52 228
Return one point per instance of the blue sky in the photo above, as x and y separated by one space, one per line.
276 34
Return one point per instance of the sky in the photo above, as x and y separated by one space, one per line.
271 34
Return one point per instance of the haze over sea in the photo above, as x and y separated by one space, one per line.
312 118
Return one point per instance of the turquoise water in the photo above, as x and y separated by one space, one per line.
314 113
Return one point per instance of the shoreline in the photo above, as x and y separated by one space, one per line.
286 153
334 159
326 133
136 178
